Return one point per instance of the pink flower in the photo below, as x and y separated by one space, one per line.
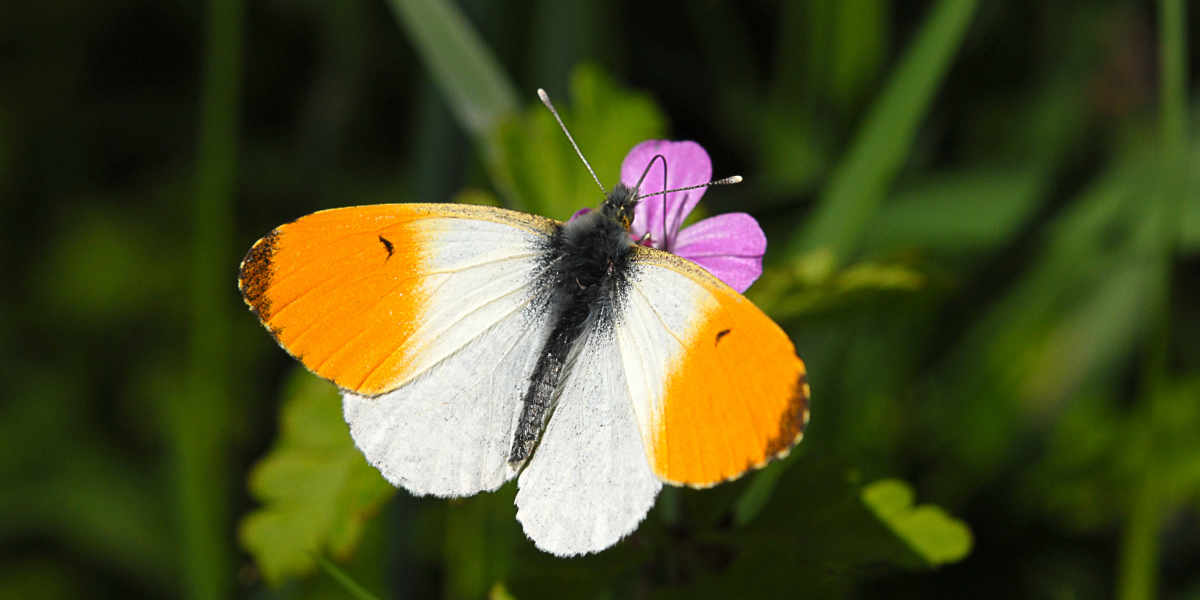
730 246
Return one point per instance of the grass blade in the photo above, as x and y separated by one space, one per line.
877 153
462 66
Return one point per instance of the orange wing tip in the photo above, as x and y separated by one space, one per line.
254 275
792 424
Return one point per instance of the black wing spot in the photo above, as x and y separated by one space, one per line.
720 334
387 245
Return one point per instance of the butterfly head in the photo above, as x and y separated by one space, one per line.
619 203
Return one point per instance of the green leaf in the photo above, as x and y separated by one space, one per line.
927 529
316 488
537 165
882 144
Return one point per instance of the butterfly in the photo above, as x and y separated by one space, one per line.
473 345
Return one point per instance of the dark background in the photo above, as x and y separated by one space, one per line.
986 250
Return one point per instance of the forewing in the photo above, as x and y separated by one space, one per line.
426 316
364 295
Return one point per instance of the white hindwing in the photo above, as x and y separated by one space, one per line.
589 483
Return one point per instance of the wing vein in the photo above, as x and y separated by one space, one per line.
658 315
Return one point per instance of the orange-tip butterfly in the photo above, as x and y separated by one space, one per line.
473 345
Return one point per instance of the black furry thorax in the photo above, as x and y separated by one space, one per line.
588 256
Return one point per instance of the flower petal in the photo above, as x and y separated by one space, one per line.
730 246
729 234
687 164
738 272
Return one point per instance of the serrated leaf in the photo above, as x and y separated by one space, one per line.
316 488
928 530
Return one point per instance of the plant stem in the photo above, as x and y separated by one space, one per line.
198 418
1138 578
352 587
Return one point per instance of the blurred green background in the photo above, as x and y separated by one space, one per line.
984 239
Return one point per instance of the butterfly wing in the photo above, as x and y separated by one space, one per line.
426 316
589 483
716 385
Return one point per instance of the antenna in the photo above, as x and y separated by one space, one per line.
657 157
546 100
726 181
